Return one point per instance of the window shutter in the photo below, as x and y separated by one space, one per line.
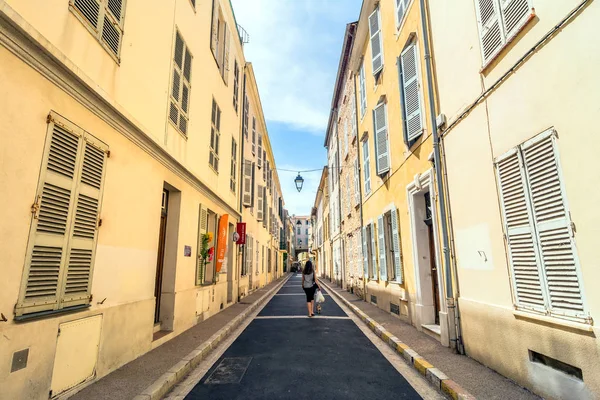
382 249
381 139
214 38
264 209
376 45
252 184
227 37
346 138
356 183
553 226
260 151
362 88
260 205
202 228
112 27
90 10
84 234
253 135
515 13
366 171
518 226
47 252
413 125
247 195
491 37
374 249
396 245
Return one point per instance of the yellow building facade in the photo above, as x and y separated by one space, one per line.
401 239
518 83
121 148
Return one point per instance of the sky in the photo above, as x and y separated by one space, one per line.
295 48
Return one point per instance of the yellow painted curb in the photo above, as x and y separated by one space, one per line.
422 366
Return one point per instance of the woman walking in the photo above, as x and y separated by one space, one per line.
309 284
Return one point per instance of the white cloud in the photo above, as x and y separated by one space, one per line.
294 47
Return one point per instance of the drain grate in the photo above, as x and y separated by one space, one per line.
229 370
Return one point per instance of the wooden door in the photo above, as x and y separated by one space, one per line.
161 254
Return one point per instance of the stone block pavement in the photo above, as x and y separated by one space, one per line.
478 380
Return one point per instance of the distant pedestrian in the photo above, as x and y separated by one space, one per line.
309 284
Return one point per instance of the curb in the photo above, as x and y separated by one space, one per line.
434 376
176 373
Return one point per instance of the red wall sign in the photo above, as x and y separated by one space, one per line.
241 231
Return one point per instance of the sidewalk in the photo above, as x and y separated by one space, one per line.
477 379
133 378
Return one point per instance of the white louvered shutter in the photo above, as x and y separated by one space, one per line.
247 195
381 139
356 183
362 89
520 237
396 245
366 167
553 226
376 44
374 249
202 228
491 35
214 39
260 205
382 249
515 14
112 28
412 93
253 135
260 151
77 281
227 38
264 210
47 252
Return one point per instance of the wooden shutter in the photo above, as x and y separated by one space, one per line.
79 269
382 249
520 237
90 10
515 14
362 88
253 184
373 249
253 135
366 171
227 38
112 28
396 245
247 193
202 229
376 45
491 35
47 251
214 38
553 226
411 93
264 209
260 151
356 183
381 139
260 205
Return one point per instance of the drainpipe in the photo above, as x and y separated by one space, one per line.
360 186
450 301
241 171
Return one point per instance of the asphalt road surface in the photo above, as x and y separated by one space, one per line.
283 354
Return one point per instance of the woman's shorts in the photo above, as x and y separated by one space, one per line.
310 293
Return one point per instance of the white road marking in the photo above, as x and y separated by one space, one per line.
295 294
298 316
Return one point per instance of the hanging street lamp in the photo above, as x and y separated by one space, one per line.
299 182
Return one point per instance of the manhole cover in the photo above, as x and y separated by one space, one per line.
229 370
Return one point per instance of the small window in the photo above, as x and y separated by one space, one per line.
215 136
366 167
401 10
233 176
410 92
104 19
181 86
362 91
376 41
236 85
220 40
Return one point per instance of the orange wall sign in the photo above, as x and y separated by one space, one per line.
222 241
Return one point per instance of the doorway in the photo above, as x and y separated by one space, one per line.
230 264
160 261
426 253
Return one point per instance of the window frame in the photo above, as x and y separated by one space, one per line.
215 137
233 173
179 102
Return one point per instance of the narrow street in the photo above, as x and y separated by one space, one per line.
284 354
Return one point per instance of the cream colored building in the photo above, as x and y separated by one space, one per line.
120 147
518 83
320 216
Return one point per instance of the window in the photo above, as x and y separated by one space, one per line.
61 249
104 19
260 150
264 170
307 231
233 180
181 85
246 116
215 136
299 231
539 231
410 95
236 85
253 135
253 186
247 188
264 211
346 138
353 129
362 90
382 158
366 167
348 195
401 9
376 41
260 204
356 183
369 251
208 221
390 267
499 21
220 38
